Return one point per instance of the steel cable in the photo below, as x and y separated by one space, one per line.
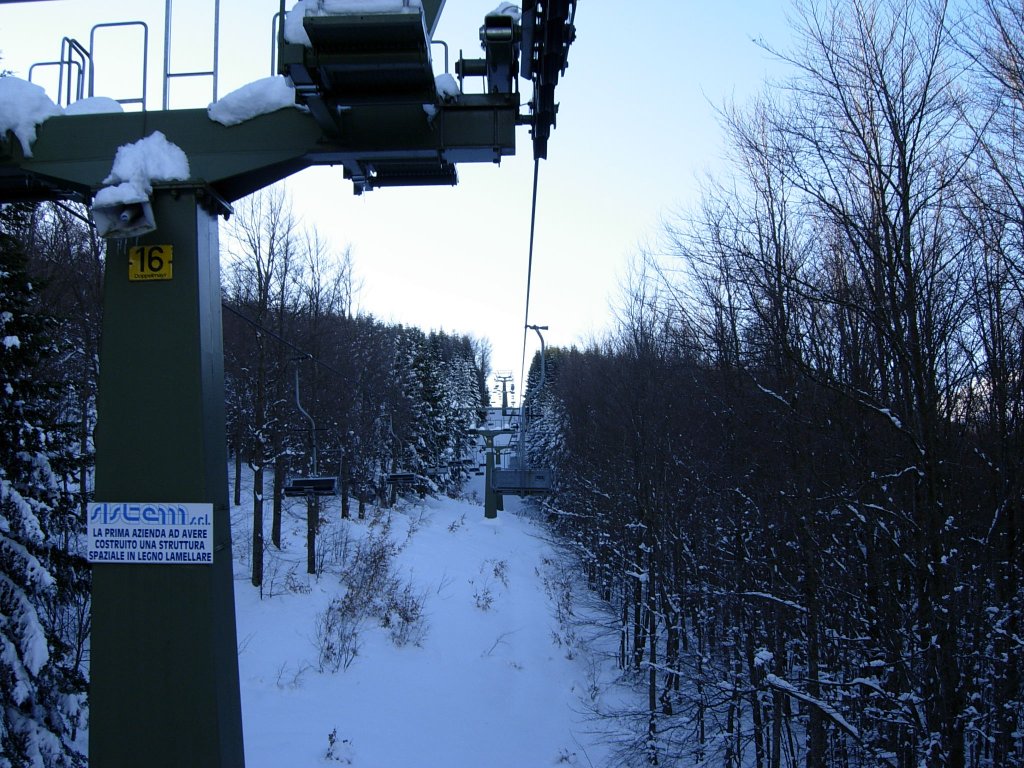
529 277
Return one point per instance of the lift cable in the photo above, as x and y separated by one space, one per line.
529 275
277 337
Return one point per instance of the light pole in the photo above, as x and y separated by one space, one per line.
312 499
527 400
303 411
538 329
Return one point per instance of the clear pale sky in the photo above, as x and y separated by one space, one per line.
636 129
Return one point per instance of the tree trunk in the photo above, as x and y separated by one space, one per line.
279 474
652 658
312 523
815 720
238 474
756 673
344 486
257 526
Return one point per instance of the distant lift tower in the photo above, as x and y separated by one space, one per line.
164 674
520 478
505 380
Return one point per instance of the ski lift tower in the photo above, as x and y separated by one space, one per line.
492 499
520 479
164 673
504 380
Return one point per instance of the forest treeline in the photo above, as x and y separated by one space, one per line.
385 399
47 411
794 471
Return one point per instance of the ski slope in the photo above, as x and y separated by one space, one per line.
493 675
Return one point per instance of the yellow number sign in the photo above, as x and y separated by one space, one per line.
150 262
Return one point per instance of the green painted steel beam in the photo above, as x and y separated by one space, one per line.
72 155
432 13
164 662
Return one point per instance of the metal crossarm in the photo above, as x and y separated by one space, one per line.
396 143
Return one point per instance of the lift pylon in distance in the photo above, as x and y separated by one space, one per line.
164 687
518 478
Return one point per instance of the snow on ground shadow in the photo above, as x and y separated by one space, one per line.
429 637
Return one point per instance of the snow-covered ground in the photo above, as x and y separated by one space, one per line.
492 673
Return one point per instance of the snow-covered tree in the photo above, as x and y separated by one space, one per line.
41 688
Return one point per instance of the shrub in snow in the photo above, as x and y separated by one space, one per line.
336 635
403 616
566 757
482 596
373 591
338 750
490 570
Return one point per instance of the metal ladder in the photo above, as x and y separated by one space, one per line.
77 71
211 73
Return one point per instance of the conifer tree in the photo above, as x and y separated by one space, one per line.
41 690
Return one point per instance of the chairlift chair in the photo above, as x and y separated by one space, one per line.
312 486
401 479
528 481
409 481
